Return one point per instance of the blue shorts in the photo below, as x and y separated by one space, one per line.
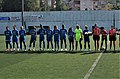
41 39
22 40
61 38
86 39
32 40
49 39
56 40
14 40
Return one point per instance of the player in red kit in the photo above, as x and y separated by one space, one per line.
104 37
112 36
96 37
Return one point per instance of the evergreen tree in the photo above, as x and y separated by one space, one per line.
11 5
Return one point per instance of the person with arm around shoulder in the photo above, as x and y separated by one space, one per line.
8 38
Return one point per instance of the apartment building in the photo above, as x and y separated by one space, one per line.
87 4
81 4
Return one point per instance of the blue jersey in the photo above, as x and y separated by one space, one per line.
70 34
86 36
8 35
56 35
63 33
49 35
33 35
41 33
15 35
22 34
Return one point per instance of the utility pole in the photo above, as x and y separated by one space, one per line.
114 19
22 13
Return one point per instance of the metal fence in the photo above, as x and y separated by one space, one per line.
69 18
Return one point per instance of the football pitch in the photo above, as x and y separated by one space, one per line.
61 65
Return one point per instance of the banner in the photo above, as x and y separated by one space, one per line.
4 18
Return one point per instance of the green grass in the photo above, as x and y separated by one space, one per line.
108 67
45 66
57 66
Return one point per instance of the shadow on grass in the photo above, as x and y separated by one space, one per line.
57 52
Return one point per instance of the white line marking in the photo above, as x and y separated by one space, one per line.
94 65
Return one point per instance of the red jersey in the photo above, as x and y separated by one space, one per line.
104 33
96 31
112 32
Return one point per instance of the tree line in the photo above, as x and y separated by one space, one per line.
29 5
34 5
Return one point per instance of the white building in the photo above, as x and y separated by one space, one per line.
80 4
86 5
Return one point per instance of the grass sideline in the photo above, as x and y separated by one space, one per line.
57 52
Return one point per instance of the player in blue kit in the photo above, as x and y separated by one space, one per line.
63 33
15 34
33 34
56 34
71 39
8 35
49 38
22 38
41 33
86 34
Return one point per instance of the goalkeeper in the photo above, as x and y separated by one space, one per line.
78 36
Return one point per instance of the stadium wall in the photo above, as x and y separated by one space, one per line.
69 18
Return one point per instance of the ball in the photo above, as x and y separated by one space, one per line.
89 33
103 48
86 33
118 33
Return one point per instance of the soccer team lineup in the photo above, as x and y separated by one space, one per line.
61 39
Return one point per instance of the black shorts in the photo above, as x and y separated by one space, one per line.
104 38
71 40
96 37
80 39
112 38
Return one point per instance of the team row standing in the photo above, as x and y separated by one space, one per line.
12 37
112 37
57 34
